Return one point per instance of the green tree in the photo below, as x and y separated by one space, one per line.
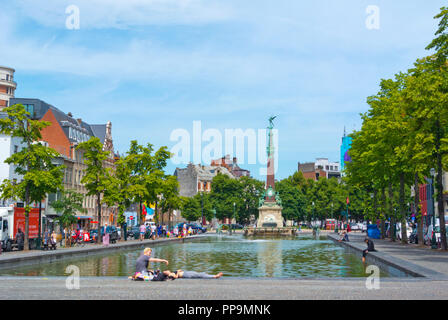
147 172
170 196
33 162
97 178
68 206
293 200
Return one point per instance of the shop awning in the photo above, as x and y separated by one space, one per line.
84 217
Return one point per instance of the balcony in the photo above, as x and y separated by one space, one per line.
8 83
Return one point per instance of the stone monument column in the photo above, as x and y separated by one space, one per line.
270 210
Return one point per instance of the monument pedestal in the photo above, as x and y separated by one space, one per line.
270 216
270 222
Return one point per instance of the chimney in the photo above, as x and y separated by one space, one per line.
79 121
70 114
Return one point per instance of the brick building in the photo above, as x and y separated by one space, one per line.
321 168
63 135
231 165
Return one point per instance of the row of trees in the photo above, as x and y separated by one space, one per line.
138 176
229 198
404 135
309 200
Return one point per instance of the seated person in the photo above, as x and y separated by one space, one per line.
370 248
141 266
344 237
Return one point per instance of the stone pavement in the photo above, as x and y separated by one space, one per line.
423 261
225 289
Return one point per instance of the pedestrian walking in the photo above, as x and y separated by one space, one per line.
53 239
153 231
46 239
20 239
142 232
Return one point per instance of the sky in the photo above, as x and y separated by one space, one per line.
154 66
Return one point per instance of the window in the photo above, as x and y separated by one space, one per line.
326 167
29 108
16 149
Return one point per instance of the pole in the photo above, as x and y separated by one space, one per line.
433 239
202 209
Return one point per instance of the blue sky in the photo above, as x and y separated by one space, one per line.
152 66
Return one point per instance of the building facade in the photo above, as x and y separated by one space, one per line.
7 86
321 168
198 178
231 165
64 135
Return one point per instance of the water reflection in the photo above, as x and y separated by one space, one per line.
236 256
270 258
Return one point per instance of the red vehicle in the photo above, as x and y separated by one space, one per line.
13 218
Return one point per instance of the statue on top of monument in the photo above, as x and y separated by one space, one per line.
271 122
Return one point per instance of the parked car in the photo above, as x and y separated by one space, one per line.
354 226
194 226
197 227
364 227
134 232
112 230
437 230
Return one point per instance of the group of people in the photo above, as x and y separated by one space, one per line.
142 273
157 231
49 240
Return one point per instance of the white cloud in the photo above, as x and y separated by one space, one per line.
98 14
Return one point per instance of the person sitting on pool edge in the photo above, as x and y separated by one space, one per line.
370 248
344 237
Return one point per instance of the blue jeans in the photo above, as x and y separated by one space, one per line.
196 275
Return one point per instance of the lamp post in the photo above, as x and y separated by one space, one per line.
234 217
433 239
313 215
202 203
331 213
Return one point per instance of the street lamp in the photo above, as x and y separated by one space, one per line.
433 239
202 204
234 217
313 214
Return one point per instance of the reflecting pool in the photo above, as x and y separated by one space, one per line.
235 256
